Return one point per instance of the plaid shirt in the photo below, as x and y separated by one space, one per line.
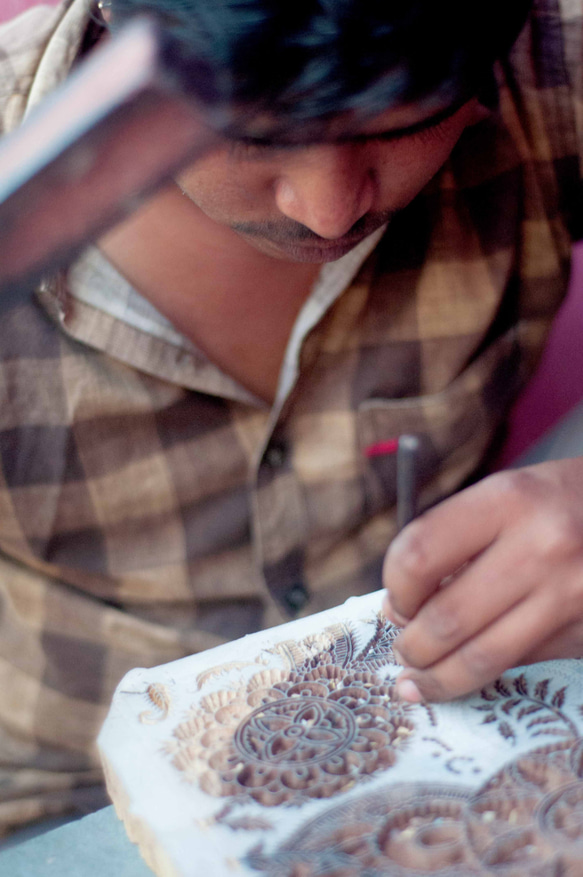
151 507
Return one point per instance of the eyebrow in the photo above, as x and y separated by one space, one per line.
418 127
387 135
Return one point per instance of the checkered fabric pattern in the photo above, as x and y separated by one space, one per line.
149 507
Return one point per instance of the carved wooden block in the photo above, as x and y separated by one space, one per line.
288 754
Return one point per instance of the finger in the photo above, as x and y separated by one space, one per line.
439 542
483 658
565 643
502 576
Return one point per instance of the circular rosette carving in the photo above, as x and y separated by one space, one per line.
295 731
287 737
503 835
426 833
528 815
403 830
561 817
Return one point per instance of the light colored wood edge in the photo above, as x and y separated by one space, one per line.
138 831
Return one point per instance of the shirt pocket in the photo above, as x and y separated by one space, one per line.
455 427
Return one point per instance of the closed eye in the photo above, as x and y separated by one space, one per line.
250 147
431 125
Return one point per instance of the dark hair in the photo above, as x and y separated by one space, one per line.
309 60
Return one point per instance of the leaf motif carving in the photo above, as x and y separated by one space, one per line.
506 731
502 688
530 710
510 704
555 732
541 689
542 720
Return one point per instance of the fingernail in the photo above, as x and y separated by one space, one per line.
393 616
407 690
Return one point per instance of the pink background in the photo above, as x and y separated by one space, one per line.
558 384
10 8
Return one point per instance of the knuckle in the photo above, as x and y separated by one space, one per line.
516 486
480 662
443 620
559 536
411 649
432 688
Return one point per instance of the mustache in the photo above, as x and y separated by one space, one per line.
288 231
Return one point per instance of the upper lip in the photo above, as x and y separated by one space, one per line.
330 245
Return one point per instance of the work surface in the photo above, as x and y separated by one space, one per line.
95 845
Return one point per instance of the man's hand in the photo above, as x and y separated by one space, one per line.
489 579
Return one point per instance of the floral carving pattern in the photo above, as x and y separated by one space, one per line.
315 718
525 821
314 729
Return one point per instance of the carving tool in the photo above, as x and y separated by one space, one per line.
407 479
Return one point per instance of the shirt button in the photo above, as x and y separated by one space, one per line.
296 598
275 455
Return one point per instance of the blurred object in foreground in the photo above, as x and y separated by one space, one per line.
118 127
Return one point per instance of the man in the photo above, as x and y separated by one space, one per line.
197 417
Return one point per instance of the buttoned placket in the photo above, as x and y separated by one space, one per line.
279 514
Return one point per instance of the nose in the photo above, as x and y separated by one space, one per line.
327 188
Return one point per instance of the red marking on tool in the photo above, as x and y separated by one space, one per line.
381 448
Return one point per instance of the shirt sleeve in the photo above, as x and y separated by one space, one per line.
22 42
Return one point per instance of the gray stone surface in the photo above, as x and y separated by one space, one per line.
96 846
